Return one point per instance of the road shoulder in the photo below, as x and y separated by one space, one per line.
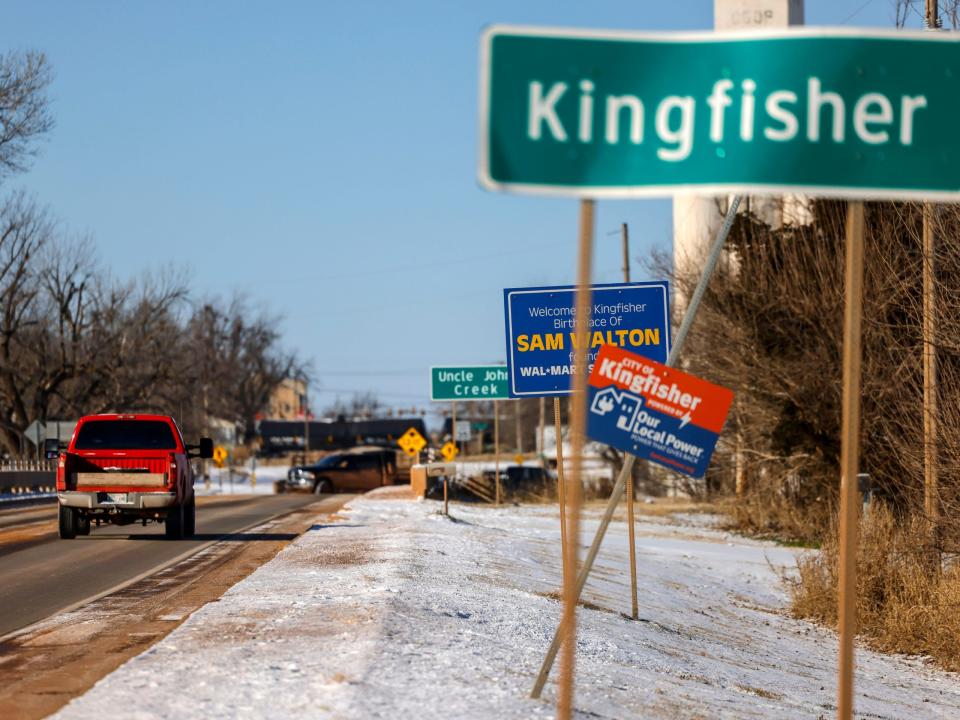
51 662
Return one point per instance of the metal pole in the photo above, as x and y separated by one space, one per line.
453 425
627 469
496 448
631 536
446 510
625 235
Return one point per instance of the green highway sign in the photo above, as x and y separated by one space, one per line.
475 382
828 112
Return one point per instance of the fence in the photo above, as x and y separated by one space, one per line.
27 477
28 466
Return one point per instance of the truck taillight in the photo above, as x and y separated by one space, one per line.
62 472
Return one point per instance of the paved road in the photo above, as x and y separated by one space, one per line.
38 580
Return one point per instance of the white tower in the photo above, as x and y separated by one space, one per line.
696 218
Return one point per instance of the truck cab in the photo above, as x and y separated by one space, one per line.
126 468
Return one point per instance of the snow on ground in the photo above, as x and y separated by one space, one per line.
226 481
24 497
397 612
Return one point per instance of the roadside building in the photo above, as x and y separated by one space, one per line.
288 400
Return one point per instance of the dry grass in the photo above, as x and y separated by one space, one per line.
768 514
903 604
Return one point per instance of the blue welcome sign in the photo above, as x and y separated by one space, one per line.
541 331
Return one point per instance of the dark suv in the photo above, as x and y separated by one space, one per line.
350 471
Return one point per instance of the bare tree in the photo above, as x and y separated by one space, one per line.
24 108
236 361
25 230
360 405
770 328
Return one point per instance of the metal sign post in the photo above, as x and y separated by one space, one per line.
496 449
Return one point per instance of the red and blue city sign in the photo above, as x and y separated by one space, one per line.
655 412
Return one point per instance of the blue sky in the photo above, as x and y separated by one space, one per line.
321 157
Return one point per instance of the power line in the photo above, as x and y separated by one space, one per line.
459 260
372 373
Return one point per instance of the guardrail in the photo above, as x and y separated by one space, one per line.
25 486
28 466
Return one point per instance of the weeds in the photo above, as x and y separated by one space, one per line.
903 604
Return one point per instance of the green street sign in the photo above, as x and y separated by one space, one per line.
828 112
475 382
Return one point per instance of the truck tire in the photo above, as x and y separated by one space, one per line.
68 523
323 487
190 518
173 524
83 525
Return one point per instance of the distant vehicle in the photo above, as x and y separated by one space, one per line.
355 470
282 437
122 469
519 477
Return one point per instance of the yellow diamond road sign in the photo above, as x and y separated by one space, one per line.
412 442
449 451
219 455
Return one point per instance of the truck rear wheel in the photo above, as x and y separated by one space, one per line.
190 518
173 524
83 525
68 523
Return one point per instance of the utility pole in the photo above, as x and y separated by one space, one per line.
625 237
306 425
931 489
634 605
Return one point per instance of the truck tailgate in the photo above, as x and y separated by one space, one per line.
120 479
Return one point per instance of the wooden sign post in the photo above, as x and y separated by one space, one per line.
561 487
849 455
578 433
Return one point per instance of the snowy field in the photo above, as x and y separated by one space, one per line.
237 481
397 612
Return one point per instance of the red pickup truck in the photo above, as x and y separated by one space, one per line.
123 468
